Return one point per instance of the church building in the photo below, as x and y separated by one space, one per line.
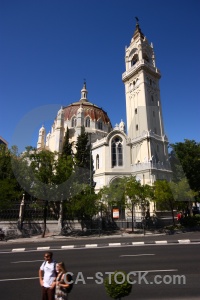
141 150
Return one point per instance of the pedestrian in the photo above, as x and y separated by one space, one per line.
179 217
47 275
61 282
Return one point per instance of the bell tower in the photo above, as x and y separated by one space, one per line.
145 127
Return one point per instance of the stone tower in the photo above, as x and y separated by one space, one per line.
145 129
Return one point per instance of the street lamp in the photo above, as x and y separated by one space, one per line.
143 215
21 213
60 220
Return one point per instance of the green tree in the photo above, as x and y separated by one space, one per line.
117 285
187 155
67 146
64 177
84 205
82 158
183 194
9 187
164 197
43 187
133 192
114 194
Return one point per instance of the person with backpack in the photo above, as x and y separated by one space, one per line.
63 285
47 275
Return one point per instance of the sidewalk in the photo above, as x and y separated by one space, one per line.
137 236
53 236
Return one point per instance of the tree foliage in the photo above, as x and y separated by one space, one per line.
117 285
10 189
83 159
164 197
67 146
186 155
84 205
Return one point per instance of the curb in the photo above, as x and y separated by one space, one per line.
104 245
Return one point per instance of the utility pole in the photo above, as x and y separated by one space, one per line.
21 213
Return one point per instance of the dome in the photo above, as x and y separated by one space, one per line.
89 109
93 111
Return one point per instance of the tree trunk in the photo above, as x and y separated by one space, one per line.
45 218
172 211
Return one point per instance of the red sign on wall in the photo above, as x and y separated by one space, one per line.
115 213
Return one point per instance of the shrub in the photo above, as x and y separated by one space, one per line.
190 221
117 285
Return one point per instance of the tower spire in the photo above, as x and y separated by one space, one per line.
84 93
137 30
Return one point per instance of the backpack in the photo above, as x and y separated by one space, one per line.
69 279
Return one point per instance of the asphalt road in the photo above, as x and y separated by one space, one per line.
56 242
162 271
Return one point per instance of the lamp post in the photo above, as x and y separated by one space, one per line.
60 220
143 215
21 213
100 219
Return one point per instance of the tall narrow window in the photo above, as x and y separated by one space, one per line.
100 125
120 154
73 122
87 122
136 127
117 152
97 162
136 111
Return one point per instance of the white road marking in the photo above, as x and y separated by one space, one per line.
91 245
43 248
18 249
161 242
157 271
184 241
15 279
25 261
114 244
67 247
137 243
137 255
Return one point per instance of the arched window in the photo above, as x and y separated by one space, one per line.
100 125
134 60
87 122
73 122
97 162
117 152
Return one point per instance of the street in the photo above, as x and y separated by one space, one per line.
158 271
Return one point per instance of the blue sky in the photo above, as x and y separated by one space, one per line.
49 47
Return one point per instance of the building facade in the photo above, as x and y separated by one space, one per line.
141 150
3 142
